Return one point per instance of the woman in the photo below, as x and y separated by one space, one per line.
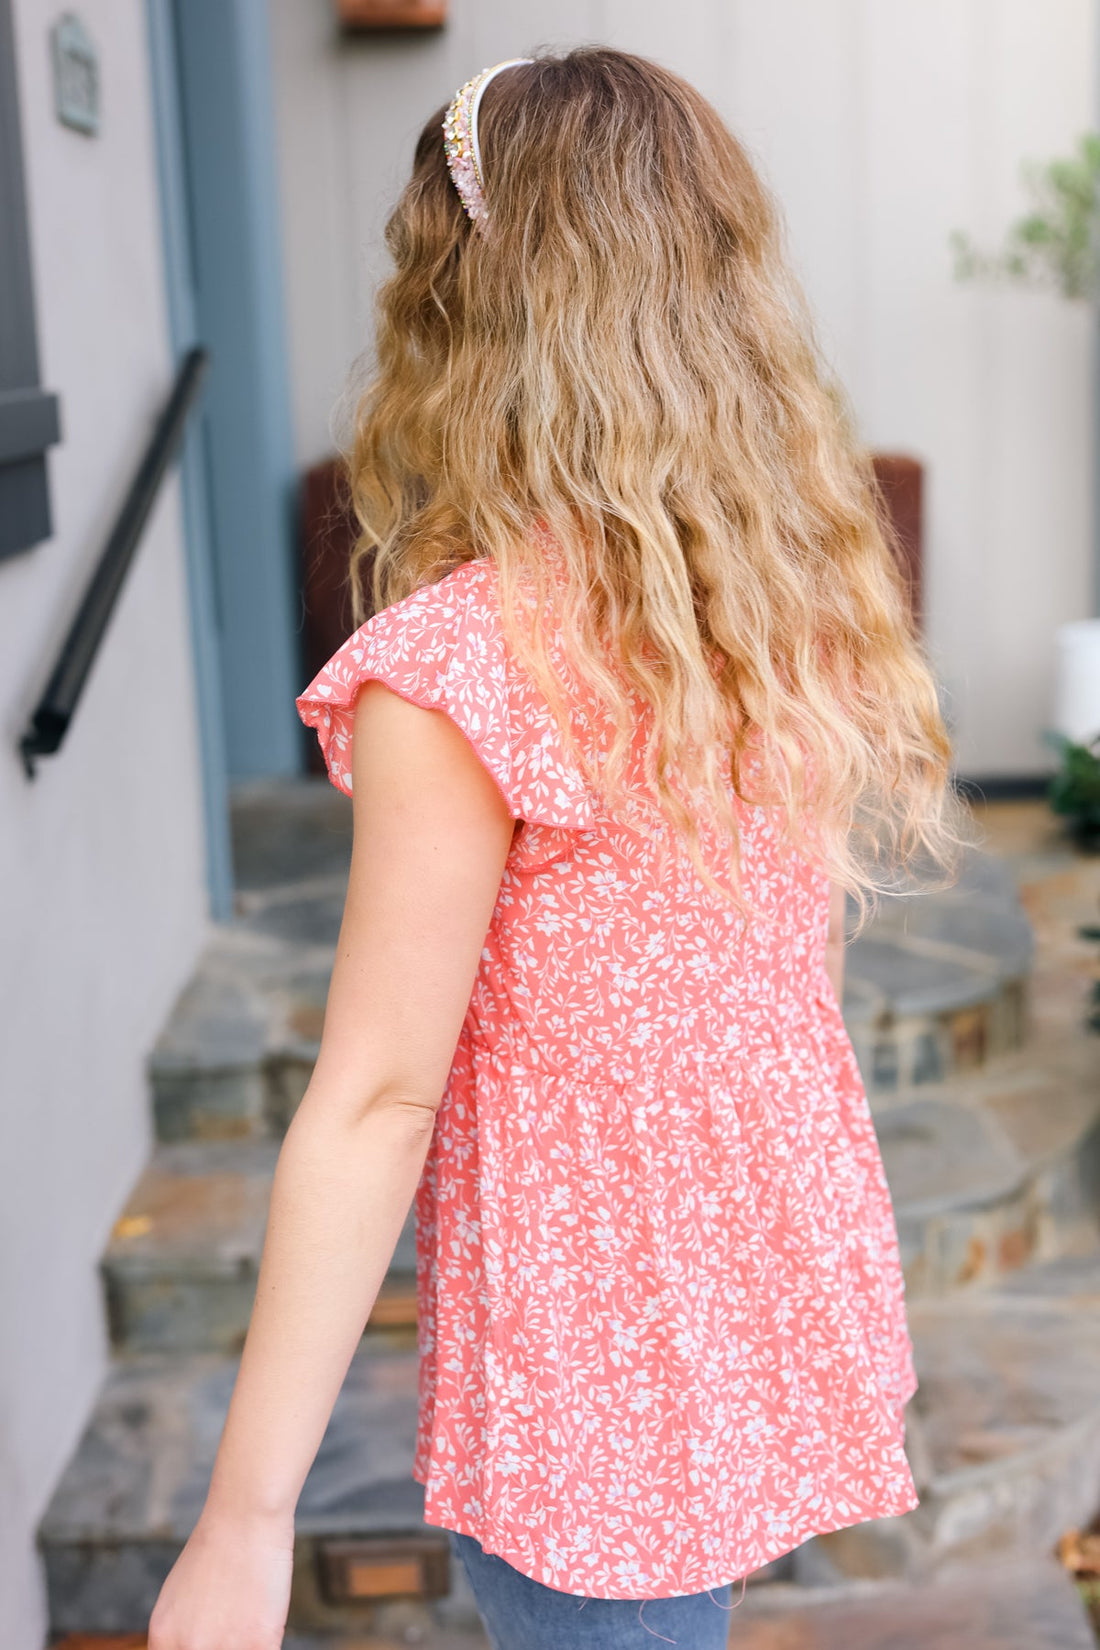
640 705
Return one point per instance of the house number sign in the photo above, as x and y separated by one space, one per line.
75 75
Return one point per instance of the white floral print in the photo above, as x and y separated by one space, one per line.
662 1324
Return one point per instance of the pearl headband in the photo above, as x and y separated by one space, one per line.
460 140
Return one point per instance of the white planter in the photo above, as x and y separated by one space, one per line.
1077 689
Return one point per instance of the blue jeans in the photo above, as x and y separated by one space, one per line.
522 1614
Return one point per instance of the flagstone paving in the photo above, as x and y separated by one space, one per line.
1012 1604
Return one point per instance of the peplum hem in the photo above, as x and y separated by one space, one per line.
730 1563
751 1394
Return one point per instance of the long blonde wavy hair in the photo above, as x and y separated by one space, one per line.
623 364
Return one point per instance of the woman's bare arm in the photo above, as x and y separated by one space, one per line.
432 834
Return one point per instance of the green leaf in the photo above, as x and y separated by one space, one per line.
1057 243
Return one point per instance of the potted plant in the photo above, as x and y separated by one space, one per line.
391 14
1075 789
1057 244
1056 247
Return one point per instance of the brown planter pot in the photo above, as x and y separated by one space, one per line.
392 14
901 493
327 533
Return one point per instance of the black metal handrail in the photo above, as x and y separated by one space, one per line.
55 710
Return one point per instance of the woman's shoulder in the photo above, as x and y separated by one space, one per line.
468 591
435 624
442 647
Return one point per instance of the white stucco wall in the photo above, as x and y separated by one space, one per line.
881 126
101 856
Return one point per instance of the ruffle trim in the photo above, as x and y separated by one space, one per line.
443 648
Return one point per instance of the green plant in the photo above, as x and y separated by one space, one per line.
1092 1020
1057 244
1075 792
1075 789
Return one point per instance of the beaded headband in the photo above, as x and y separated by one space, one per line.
460 141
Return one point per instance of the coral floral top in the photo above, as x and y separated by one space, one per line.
662 1322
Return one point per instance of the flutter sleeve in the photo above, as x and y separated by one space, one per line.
443 648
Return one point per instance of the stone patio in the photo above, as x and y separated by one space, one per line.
986 1095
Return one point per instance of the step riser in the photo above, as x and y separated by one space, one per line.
1025 1509
968 1248
1054 1213
1028 1509
98 1588
254 1102
172 1313
181 1267
1067 1200
905 1053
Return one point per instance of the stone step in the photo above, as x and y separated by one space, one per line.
996 1168
1003 1433
1019 1602
936 986
937 983
180 1267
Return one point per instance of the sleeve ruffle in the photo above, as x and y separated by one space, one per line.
443 648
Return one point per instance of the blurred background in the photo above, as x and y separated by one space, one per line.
192 196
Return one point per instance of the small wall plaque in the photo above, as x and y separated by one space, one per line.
377 1567
392 14
75 76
